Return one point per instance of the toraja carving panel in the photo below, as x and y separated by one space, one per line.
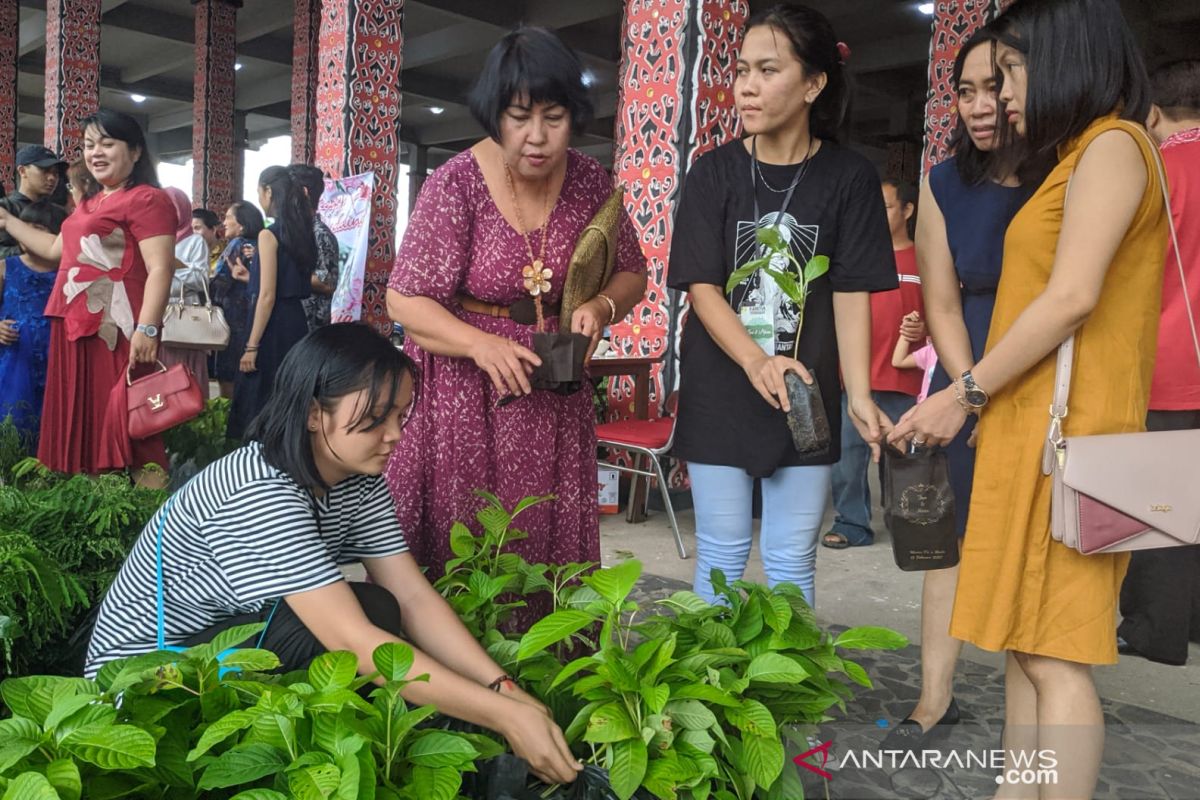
954 21
676 101
305 68
213 146
10 28
358 120
72 72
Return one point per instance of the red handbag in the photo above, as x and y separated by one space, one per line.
167 397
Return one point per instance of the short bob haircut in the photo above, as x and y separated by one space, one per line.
1082 63
123 127
249 217
534 63
815 46
328 364
1176 89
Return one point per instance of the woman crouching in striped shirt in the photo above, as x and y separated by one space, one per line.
258 536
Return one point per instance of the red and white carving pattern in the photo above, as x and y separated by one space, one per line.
213 146
305 37
10 29
358 121
72 72
954 21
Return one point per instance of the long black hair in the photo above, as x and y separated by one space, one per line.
294 216
1082 62
328 364
534 62
816 47
249 217
123 127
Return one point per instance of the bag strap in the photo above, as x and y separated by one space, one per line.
1066 350
158 570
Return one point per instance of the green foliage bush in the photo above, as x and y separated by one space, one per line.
200 441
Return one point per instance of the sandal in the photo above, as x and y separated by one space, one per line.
839 541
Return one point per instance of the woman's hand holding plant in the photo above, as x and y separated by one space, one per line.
534 737
766 375
507 363
933 423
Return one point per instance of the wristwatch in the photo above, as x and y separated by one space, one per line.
149 330
976 397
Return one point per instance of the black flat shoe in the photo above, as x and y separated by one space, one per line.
907 736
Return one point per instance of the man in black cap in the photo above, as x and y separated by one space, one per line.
38 174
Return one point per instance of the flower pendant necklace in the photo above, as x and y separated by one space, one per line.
536 275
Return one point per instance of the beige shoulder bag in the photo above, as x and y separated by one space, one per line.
195 326
1125 491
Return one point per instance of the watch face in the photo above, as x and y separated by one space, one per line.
150 330
976 397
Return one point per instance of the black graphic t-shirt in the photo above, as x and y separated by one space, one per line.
836 211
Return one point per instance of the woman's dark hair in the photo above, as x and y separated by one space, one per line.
1082 63
311 180
815 45
121 126
328 364
535 63
249 217
1175 89
208 218
293 215
44 214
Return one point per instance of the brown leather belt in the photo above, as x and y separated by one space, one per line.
521 312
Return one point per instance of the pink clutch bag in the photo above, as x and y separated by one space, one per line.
1125 491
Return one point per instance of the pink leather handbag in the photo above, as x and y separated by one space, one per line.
1125 491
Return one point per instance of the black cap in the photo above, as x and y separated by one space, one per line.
38 156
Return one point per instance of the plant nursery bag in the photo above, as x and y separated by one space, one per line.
918 509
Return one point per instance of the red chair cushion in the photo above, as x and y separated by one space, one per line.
649 433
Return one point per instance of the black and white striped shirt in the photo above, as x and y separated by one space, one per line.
239 535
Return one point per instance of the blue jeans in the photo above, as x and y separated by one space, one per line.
793 504
851 491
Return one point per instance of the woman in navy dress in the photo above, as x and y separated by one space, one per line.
286 258
966 205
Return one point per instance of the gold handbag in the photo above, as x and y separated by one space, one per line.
195 326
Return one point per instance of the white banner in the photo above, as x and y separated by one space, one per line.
346 208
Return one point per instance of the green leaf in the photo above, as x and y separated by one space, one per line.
66 705
251 659
552 629
764 757
314 782
857 674
30 786
276 730
701 740
690 714
610 723
628 767
441 749
63 775
260 794
230 637
393 660
222 729
655 697
32 697
752 717
18 738
775 668
707 693
777 613
815 268
749 622
111 746
871 638
743 272
333 670
689 602
577 726
435 783
462 541
243 764
572 669
770 236
615 583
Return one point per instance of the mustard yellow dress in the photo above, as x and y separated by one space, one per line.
1018 589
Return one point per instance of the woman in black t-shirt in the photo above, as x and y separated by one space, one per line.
825 201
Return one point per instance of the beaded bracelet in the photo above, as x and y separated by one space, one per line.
499 682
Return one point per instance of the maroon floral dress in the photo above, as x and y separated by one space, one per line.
457 440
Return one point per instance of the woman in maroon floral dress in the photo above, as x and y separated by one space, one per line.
518 197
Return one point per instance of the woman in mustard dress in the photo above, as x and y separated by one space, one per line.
1088 265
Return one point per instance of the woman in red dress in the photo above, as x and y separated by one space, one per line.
117 253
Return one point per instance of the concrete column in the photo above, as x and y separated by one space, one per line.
358 122
954 21
305 37
10 28
213 145
72 72
676 102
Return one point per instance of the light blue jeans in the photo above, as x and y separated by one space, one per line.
793 504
